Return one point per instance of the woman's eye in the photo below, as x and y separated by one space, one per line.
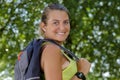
66 22
56 23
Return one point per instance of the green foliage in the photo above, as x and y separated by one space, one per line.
95 33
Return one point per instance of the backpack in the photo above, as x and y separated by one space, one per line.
27 66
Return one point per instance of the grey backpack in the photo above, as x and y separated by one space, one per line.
27 66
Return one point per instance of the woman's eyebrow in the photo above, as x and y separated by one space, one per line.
60 20
55 20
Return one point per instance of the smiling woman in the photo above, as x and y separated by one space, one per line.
55 22
55 25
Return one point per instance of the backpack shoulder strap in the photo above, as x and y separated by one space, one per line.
63 48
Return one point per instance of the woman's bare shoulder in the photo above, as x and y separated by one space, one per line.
51 51
50 47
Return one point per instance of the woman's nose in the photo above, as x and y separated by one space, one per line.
62 27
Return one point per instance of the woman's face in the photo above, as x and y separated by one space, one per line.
57 26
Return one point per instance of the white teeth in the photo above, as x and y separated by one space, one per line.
61 33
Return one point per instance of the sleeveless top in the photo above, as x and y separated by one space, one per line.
70 70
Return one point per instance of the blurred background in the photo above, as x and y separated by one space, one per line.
95 33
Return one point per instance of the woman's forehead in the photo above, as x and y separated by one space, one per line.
57 15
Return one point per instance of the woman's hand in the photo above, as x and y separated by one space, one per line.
83 65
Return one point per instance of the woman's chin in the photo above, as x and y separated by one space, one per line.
60 40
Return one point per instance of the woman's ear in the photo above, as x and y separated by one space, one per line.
43 26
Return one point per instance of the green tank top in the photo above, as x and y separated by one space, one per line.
69 71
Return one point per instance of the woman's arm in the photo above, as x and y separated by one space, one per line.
51 62
83 65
